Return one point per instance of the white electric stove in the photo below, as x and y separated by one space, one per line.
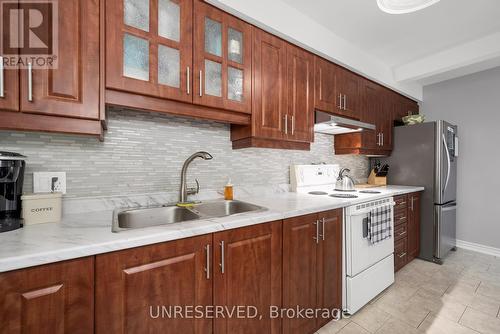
368 268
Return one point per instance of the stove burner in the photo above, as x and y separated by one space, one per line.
343 195
370 192
317 193
346 191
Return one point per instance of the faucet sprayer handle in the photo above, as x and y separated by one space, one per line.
197 186
194 191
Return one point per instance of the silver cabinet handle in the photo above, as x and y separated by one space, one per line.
222 257
402 218
404 202
201 83
188 80
317 231
402 233
293 124
30 82
2 89
378 139
323 229
340 101
207 268
411 205
382 139
345 102
402 255
286 124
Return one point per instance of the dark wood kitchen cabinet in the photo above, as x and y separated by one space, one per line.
67 97
222 60
282 96
312 267
231 268
53 298
381 107
337 90
375 112
299 120
151 51
247 271
132 284
300 270
72 89
402 107
329 263
348 87
406 229
269 93
9 79
181 57
326 98
386 122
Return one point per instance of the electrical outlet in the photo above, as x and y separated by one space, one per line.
49 182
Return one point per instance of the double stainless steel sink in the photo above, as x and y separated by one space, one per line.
125 219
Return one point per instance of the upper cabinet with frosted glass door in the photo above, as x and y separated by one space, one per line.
222 60
149 47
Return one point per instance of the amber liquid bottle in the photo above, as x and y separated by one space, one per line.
228 191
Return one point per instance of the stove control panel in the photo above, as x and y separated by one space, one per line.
302 176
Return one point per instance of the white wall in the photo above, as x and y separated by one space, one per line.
473 103
290 24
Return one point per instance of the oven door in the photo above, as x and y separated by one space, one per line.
361 253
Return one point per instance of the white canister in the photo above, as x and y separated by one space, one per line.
42 208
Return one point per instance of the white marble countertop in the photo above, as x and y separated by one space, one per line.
89 233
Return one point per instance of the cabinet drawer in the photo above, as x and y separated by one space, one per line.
400 253
401 203
400 231
400 218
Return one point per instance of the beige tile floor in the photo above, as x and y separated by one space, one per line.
460 296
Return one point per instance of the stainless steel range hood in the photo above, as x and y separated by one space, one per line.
334 125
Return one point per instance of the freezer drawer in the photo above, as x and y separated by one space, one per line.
445 224
365 286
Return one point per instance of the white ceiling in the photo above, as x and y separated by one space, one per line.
443 41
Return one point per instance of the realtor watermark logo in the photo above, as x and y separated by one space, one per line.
29 33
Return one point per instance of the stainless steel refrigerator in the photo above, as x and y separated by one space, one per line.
426 155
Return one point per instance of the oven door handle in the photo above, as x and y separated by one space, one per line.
365 228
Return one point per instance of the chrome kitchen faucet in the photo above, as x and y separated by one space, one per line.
184 191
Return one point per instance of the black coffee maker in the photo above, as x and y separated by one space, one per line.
11 188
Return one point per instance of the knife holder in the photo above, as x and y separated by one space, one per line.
377 180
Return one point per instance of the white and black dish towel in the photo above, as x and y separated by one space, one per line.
379 224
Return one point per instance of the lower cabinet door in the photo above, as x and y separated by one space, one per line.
330 264
55 298
247 272
299 270
138 289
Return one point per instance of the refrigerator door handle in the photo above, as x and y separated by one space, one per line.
449 164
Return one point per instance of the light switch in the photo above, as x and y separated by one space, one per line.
49 182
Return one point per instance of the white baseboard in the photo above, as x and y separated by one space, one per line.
478 248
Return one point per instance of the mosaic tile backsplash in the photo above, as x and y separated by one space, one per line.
143 153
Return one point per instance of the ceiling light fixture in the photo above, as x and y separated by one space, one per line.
404 6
